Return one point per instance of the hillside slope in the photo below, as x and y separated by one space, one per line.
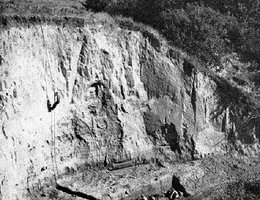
126 99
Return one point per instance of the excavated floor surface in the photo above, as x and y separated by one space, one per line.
219 177
224 178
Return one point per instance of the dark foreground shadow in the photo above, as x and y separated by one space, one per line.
177 186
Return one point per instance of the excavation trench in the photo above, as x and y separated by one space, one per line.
75 193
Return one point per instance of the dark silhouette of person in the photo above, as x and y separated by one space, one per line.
56 102
178 187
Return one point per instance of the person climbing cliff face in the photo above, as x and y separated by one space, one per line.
56 102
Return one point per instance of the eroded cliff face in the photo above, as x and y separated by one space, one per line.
124 97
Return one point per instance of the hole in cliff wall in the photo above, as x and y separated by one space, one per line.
152 125
62 68
2 100
105 52
187 68
171 136
4 21
1 60
224 125
193 102
122 90
154 41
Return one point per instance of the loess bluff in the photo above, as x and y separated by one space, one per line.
127 99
